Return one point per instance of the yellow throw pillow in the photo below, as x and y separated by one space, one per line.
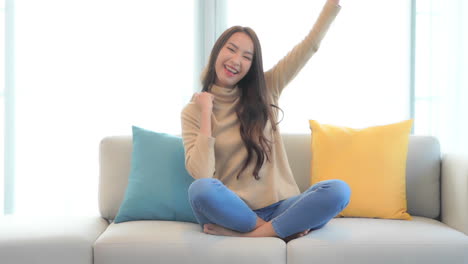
371 160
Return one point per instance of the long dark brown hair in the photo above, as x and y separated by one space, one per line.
255 107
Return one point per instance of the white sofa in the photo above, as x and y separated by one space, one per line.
437 192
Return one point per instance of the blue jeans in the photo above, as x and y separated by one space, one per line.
213 202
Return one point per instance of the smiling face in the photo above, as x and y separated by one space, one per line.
234 60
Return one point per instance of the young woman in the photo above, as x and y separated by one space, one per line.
233 148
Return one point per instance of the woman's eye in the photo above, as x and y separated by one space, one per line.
248 58
231 49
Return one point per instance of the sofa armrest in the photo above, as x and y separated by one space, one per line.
49 239
454 178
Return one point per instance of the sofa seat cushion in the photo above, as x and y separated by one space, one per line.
366 241
145 242
51 240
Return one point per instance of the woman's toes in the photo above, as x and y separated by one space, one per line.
208 228
304 233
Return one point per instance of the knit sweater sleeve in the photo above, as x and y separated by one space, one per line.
199 148
288 67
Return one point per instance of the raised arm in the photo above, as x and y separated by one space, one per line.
288 67
198 142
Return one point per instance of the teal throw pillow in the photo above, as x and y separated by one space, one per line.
158 182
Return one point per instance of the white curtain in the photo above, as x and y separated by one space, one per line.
2 100
441 83
86 69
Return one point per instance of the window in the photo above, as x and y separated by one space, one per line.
2 104
360 75
441 72
89 69
93 68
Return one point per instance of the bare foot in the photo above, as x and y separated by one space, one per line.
264 230
214 229
297 235
260 222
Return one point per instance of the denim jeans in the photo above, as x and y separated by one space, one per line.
213 202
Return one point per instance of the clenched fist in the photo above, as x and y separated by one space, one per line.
204 100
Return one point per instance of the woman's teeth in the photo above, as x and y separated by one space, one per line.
231 70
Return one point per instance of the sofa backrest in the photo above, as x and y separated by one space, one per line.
422 172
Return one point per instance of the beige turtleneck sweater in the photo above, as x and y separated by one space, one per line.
222 155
